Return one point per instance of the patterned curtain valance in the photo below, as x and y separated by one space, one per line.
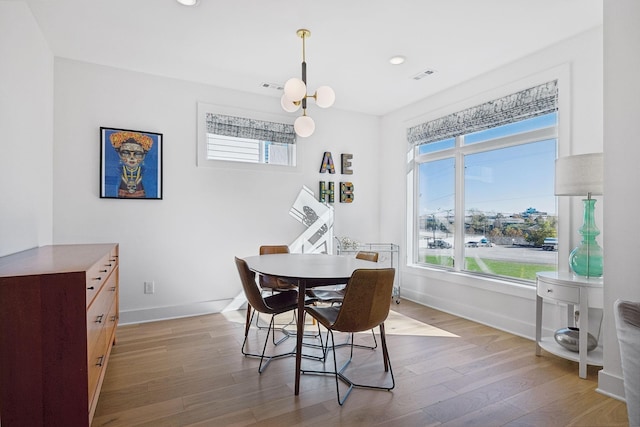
241 127
522 105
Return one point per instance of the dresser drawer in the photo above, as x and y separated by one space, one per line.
96 362
98 313
98 274
568 294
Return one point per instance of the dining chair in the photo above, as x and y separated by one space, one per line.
273 284
627 320
335 296
270 282
272 305
365 306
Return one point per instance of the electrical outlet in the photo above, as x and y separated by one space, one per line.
149 287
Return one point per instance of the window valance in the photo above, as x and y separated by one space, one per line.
242 127
529 103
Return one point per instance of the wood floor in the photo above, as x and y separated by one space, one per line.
449 372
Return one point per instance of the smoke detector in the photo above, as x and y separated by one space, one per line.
423 74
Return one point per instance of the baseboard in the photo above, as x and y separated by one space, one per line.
610 385
493 319
174 312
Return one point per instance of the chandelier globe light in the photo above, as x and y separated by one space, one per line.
295 95
304 126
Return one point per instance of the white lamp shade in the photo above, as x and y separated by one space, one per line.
288 105
579 175
295 89
304 126
325 97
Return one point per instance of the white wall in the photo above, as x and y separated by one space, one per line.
26 129
577 63
186 242
622 175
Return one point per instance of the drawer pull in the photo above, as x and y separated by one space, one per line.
103 271
99 318
97 278
108 265
549 291
90 288
100 360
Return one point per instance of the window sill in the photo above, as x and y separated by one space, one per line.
491 284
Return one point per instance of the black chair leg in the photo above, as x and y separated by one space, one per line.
339 373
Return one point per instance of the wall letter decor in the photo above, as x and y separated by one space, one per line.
346 164
327 163
326 193
346 192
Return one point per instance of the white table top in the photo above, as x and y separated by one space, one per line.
321 267
564 278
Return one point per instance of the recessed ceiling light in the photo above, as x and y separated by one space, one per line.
188 2
397 60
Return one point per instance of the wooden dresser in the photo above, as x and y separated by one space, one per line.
58 318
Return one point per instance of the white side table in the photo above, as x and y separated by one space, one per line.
573 290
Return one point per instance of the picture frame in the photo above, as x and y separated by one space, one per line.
130 164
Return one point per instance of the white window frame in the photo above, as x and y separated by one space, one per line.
202 159
458 152
562 74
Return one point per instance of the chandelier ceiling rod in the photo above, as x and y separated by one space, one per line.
302 33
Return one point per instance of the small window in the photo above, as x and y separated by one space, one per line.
231 149
228 135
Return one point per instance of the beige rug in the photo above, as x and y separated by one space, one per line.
396 324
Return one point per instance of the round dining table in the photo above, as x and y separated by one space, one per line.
307 271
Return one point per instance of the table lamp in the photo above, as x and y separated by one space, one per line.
582 175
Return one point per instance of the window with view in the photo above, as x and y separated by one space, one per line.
237 139
484 196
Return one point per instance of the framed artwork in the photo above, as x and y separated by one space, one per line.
130 164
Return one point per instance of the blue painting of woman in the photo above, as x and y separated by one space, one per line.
126 173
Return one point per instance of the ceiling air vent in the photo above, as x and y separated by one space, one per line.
275 86
423 74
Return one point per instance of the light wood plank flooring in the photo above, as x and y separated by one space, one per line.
449 372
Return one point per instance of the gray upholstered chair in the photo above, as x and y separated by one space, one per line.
627 318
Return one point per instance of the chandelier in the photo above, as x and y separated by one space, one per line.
295 95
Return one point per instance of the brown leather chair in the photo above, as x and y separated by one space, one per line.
335 296
273 284
270 282
272 305
365 306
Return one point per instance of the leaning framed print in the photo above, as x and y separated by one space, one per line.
130 164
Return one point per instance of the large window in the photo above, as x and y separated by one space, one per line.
484 199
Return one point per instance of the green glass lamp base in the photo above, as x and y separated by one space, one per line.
586 259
